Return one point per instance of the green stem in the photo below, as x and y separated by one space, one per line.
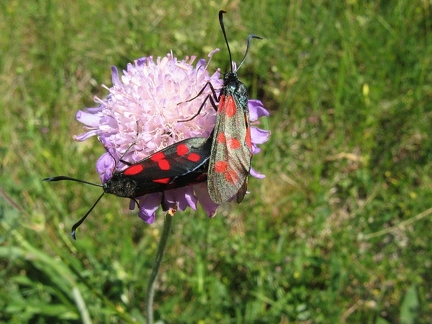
399 226
159 255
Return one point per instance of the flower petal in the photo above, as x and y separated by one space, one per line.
180 198
89 118
259 136
256 174
115 77
201 191
148 206
84 136
105 166
256 109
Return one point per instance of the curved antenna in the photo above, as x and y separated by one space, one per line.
247 48
225 36
77 224
226 41
60 178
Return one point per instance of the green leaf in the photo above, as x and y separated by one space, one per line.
410 305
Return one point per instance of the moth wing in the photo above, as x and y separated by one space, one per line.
231 155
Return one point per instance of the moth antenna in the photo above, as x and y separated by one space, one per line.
77 224
225 36
247 49
60 178
226 41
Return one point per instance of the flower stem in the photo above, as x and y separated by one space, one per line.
155 270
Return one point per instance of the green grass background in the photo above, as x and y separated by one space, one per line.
338 232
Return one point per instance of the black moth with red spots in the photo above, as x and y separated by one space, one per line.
231 151
178 165
230 159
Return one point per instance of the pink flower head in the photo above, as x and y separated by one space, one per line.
141 115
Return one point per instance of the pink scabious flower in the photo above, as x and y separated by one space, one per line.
141 115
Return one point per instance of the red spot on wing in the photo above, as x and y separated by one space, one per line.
164 165
162 180
230 107
231 176
182 149
221 138
221 106
221 166
194 157
157 156
233 143
133 170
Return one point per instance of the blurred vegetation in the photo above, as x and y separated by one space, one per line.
338 231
